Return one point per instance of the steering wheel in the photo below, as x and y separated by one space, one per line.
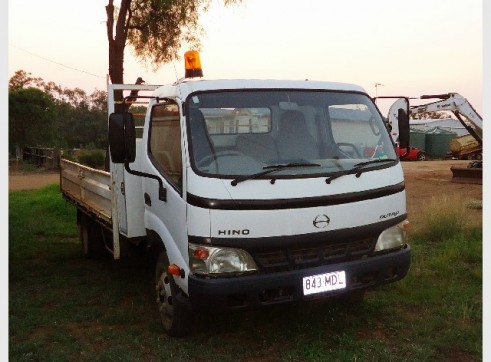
205 161
374 127
349 145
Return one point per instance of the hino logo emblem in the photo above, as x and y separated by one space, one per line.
321 221
233 232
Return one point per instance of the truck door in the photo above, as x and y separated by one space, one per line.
167 217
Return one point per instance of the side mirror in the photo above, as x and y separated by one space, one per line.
398 121
403 122
122 137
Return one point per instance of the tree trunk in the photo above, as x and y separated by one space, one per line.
116 37
116 71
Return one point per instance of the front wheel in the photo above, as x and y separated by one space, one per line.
173 315
421 156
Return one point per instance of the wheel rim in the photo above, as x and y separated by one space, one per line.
164 299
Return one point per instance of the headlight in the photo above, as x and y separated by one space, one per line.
393 237
207 260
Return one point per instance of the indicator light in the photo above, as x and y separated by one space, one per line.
175 270
192 64
202 254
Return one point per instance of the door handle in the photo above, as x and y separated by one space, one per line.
147 198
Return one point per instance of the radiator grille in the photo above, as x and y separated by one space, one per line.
298 258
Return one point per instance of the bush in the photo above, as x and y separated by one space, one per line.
444 218
92 158
69 156
27 166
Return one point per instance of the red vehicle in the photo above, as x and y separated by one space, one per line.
411 154
414 154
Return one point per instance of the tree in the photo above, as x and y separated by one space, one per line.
32 118
431 115
22 79
154 28
45 114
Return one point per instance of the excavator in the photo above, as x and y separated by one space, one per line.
463 111
472 122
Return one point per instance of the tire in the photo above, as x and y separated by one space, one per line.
421 156
90 234
174 316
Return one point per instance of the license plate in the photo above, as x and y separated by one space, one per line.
324 282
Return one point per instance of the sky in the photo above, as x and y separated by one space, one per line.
410 48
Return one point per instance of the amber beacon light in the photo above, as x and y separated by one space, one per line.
193 64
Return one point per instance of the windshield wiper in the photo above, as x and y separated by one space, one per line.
378 160
271 169
358 168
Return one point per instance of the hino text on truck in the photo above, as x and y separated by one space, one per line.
249 193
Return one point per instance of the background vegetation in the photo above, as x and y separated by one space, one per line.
65 308
45 114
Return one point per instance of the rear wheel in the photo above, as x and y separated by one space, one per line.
173 315
91 237
421 156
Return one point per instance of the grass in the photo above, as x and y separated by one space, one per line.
63 307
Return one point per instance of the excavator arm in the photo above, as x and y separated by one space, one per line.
459 106
467 116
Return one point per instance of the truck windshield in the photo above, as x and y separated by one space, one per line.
234 134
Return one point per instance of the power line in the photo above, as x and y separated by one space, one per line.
52 61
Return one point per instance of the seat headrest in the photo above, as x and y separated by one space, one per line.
292 121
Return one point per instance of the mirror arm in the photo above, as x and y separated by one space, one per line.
162 190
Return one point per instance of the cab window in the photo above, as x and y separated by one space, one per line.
165 141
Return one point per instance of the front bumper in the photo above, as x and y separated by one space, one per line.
252 291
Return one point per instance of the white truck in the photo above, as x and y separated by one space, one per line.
250 193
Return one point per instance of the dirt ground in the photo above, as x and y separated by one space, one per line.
430 182
31 180
425 181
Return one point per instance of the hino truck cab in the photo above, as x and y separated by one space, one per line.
260 192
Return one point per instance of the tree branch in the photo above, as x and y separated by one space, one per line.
128 20
140 27
121 32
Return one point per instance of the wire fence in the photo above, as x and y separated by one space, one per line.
42 157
